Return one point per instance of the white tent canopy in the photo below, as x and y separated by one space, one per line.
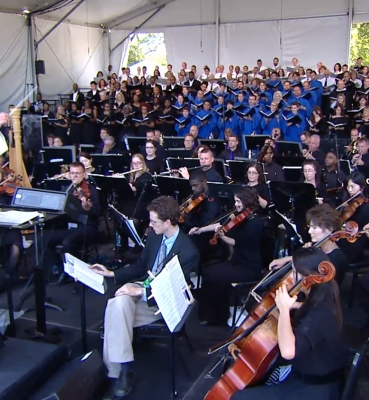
89 34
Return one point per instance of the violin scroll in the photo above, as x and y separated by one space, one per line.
326 273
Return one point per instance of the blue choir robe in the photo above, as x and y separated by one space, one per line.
265 97
268 124
233 123
292 133
250 126
274 86
311 97
184 126
306 113
318 91
209 126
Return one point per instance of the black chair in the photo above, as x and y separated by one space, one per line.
360 356
159 329
239 293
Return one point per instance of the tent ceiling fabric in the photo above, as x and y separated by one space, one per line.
189 12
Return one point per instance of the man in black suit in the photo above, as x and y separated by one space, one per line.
131 306
172 90
77 96
193 83
94 93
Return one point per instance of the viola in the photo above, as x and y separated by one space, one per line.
349 207
11 183
234 221
254 345
189 205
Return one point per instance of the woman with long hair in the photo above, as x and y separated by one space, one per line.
312 175
255 178
310 338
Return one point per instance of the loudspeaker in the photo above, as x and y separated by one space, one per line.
40 67
86 375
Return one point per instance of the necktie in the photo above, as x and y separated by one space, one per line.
326 82
160 258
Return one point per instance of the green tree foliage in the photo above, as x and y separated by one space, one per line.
143 44
359 43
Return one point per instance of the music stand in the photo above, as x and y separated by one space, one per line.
255 142
176 153
169 185
220 167
237 169
114 185
106 163
292 197
59 185
217 146
364 169
289 161
292 174
345 166
224 192
286 148
88 148
59 155
177 163
173 142
135 143
43 171
126 225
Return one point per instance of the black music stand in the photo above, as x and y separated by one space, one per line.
237 170
293 198
291 149
225 193
57 185
135 144
173 142
88 148
106 163
43 171
345 166
113 185
255 142
220 167
177 163
169 185
364 170
289 161
292 174
176 153
59 155
217 146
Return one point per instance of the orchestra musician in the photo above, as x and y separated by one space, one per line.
310 338
357 211
334 178
131 306
322 220
255 179
273 171
206 158
86 159
74 239
245 263
312 173
362 157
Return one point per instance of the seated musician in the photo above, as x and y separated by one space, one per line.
310 337
313 151
322 220
206 158
109 147
86 159
356 211
245 263
273 171
362 157
255 178
311 174
74 239
334 179
130 307
232 149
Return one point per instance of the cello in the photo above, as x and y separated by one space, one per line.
254 345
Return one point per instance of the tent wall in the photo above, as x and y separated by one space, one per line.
13 60
72 54
119 55
361 11
243 44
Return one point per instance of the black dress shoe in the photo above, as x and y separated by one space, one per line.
123 384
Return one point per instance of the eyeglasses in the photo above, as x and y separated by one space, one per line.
152 222
253 173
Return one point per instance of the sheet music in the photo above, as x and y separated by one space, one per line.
169 289
131 225
14 217
79 270
294 227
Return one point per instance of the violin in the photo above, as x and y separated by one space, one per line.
232 222
189 205
11 183
349 207
254 345
82 191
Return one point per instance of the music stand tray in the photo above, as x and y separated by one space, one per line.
108 184
255 142
217 146
289 161
169 185
286 148
135 143
220 167
106 163
292 174
59 155
224 192
177 163
173 142
237 170
175 153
